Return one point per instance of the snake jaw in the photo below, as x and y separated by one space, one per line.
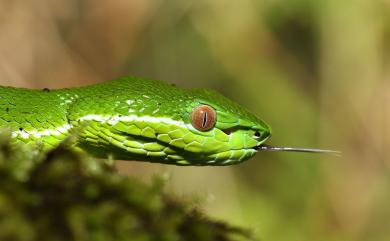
243 143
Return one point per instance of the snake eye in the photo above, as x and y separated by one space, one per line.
203 117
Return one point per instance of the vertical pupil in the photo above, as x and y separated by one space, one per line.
204 119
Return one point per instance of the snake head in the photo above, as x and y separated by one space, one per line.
157 122
234 137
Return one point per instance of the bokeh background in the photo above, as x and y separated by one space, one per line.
316 71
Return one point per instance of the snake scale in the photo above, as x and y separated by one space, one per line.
137 119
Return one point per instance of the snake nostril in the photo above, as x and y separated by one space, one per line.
257 134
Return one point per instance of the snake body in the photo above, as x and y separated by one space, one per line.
133 119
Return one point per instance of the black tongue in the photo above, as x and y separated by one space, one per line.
264 147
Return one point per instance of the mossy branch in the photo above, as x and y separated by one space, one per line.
65 195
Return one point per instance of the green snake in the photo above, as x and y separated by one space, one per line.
137 119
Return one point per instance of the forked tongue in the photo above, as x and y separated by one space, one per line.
264 147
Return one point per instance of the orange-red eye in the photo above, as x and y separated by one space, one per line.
203 117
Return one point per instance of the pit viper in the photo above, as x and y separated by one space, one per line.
137 119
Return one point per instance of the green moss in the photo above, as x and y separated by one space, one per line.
65 195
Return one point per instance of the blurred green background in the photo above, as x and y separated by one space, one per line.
316 71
